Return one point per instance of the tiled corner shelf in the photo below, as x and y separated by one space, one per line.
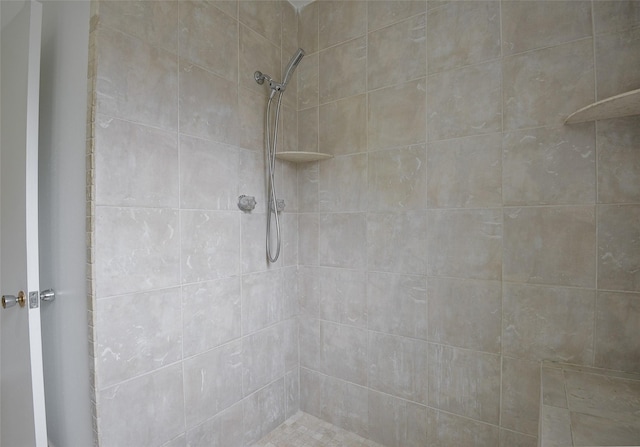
302 157
625 104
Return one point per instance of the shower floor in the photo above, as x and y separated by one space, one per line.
304 430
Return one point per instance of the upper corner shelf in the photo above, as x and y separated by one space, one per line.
626 104
302 157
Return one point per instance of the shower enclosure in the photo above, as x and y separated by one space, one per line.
460 235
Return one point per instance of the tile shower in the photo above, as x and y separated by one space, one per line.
460 234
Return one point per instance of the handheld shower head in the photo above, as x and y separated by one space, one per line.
274 85
293 63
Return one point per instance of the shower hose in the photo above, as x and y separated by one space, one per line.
272 213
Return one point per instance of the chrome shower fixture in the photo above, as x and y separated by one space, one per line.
275 205
280 86
293 63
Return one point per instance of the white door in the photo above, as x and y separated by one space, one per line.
22 414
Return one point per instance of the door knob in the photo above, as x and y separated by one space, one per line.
10 300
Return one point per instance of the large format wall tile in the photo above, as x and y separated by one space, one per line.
510 438
308 239
136 81
465 101
341 240
343 70
464 382
289 240
214 305
212 382
343 184
201 23
262 303
257 53
397 53
550 245
154 22
397 366
618 160
462 33
292 392
615 15
549 166
135 250
397 179
617 321
534 24
618 62
545 86
309 291
209 245
223 430
520 395
465 172
397 304
308 86
264 410
208 105
135 165
251 113
336 401
465 243
548 323
264 17
386 12
154 401
308 179
208 175
397 115
465 313
253 250
340 21
396 242
288 140
619 247
308 27
151 320
310 353
342 296
448 430
308 130
343 126
263 359
395 422
343 352
251 180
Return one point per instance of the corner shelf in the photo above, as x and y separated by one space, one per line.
626 104
302 157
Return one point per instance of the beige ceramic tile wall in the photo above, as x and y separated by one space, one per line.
461 233
194 336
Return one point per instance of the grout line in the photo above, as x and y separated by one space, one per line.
597 192
502 214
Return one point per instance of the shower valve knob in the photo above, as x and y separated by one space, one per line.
246 203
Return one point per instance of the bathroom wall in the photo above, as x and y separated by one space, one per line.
194 336
462 233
